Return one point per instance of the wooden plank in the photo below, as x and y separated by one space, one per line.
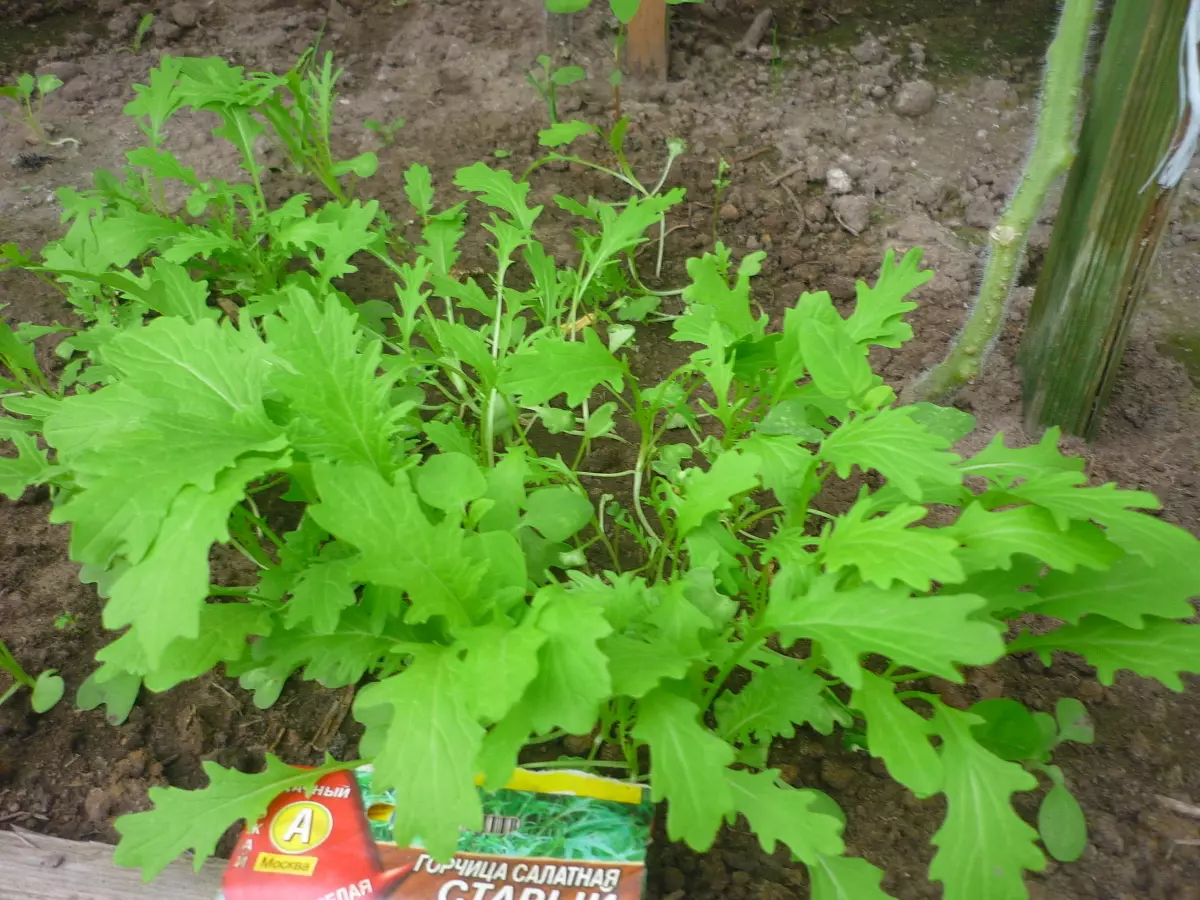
38 867
646 41
1110 222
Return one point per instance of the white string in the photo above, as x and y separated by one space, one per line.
1171 170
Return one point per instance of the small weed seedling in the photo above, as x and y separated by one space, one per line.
386 132
487 590
47 689
547 79
29 93
720 186
66 620
143 29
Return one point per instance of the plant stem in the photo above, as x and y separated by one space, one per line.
1053 152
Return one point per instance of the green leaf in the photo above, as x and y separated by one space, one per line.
320 594
1062 825
776 700
638 666
1073 721
845 878
710 290
1008 730
897 447
624 230
991 539
399 546
708 492
569 75
506 491
688 767
364 165
418 187
552 366
1161 649
496 188
1127 592
31 466
838 365
341 405
184 820
118 692
885 549
899 736
780 814
47 691
983 845
187 404
927 633
449 481
1003 465
572 678
1062 495
785 465
428 751
945 421
173 293
565 7
879 311
501 662
558 512
563 133
624 10
332 660
354 232
790 417
162 594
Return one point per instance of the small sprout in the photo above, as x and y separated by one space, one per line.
29 93
66 620
386 132
143 29
549 79
501 153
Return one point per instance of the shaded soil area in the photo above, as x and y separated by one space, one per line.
833 86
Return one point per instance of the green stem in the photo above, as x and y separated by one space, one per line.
1053 152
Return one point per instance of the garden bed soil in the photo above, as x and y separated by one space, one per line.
936 179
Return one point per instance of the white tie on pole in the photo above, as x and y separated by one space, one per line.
1171 170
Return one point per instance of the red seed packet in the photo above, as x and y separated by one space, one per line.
548 835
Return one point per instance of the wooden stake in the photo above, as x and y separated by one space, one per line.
646 46
1110 222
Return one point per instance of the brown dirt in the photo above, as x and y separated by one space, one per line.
454 70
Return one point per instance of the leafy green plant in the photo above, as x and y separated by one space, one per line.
548 78
29 93
410 483
46 689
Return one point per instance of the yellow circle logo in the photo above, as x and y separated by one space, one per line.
299 827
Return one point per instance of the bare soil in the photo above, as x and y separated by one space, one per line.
455 70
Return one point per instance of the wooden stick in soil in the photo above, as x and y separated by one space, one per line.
646 46
1051 157
1112 218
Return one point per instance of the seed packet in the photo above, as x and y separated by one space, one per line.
547 835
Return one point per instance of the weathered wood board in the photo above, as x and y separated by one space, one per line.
36 867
